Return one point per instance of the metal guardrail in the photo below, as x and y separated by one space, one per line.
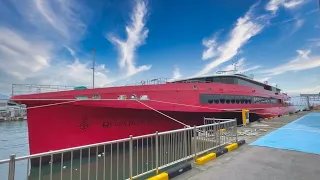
20 89
126 158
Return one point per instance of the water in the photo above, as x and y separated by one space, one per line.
13 140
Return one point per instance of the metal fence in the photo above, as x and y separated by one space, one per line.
130 158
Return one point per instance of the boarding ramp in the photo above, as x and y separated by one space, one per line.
132 157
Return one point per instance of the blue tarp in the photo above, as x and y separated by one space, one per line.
301 135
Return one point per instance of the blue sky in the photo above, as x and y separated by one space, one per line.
49 42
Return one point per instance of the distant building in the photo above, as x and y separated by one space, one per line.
10 111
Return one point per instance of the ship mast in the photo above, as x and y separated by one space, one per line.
93 65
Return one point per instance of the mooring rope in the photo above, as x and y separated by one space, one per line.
163 114
179 104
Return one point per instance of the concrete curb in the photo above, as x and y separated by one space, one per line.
204 159
173 172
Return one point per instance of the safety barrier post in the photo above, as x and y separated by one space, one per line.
195 141
157 153
185 143
235 129
130 156
12 165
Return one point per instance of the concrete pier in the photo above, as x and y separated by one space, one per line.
250 162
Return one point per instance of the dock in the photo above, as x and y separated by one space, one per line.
266 155
286 147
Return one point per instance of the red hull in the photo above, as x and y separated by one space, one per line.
87 122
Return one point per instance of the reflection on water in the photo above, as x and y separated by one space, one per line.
113 164
14 139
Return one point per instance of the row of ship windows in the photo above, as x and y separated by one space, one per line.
232 99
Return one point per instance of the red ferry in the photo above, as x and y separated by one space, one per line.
65 119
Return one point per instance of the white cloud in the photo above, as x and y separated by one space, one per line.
245 28
297 25
31 56
302 62
176 73
77 73
136 35
311 90
31 61
263 79
21 57
241 66
211 45
274 5
71 51
65 17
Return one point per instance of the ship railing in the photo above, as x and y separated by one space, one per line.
133 157
20 89
164 81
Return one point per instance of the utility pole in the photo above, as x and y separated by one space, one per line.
93 65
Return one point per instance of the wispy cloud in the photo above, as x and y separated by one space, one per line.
245 28
32 61
136 36
21 57
302 62
297 25
274 5
176 73
241 66
263 79
67 18
310 90
211 45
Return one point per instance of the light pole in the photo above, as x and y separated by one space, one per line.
93 65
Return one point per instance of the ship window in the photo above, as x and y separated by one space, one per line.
233 100
209 79
237 99
210 101
241 99
216 100
246 101
222 100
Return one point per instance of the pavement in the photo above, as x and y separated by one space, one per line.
259 163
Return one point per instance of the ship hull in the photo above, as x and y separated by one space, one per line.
59 120
66 126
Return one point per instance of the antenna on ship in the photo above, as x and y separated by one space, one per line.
93 65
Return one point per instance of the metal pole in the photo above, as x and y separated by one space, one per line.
12 163
195 141
185 143
157 153
235 129
130 156
12 89
93 65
